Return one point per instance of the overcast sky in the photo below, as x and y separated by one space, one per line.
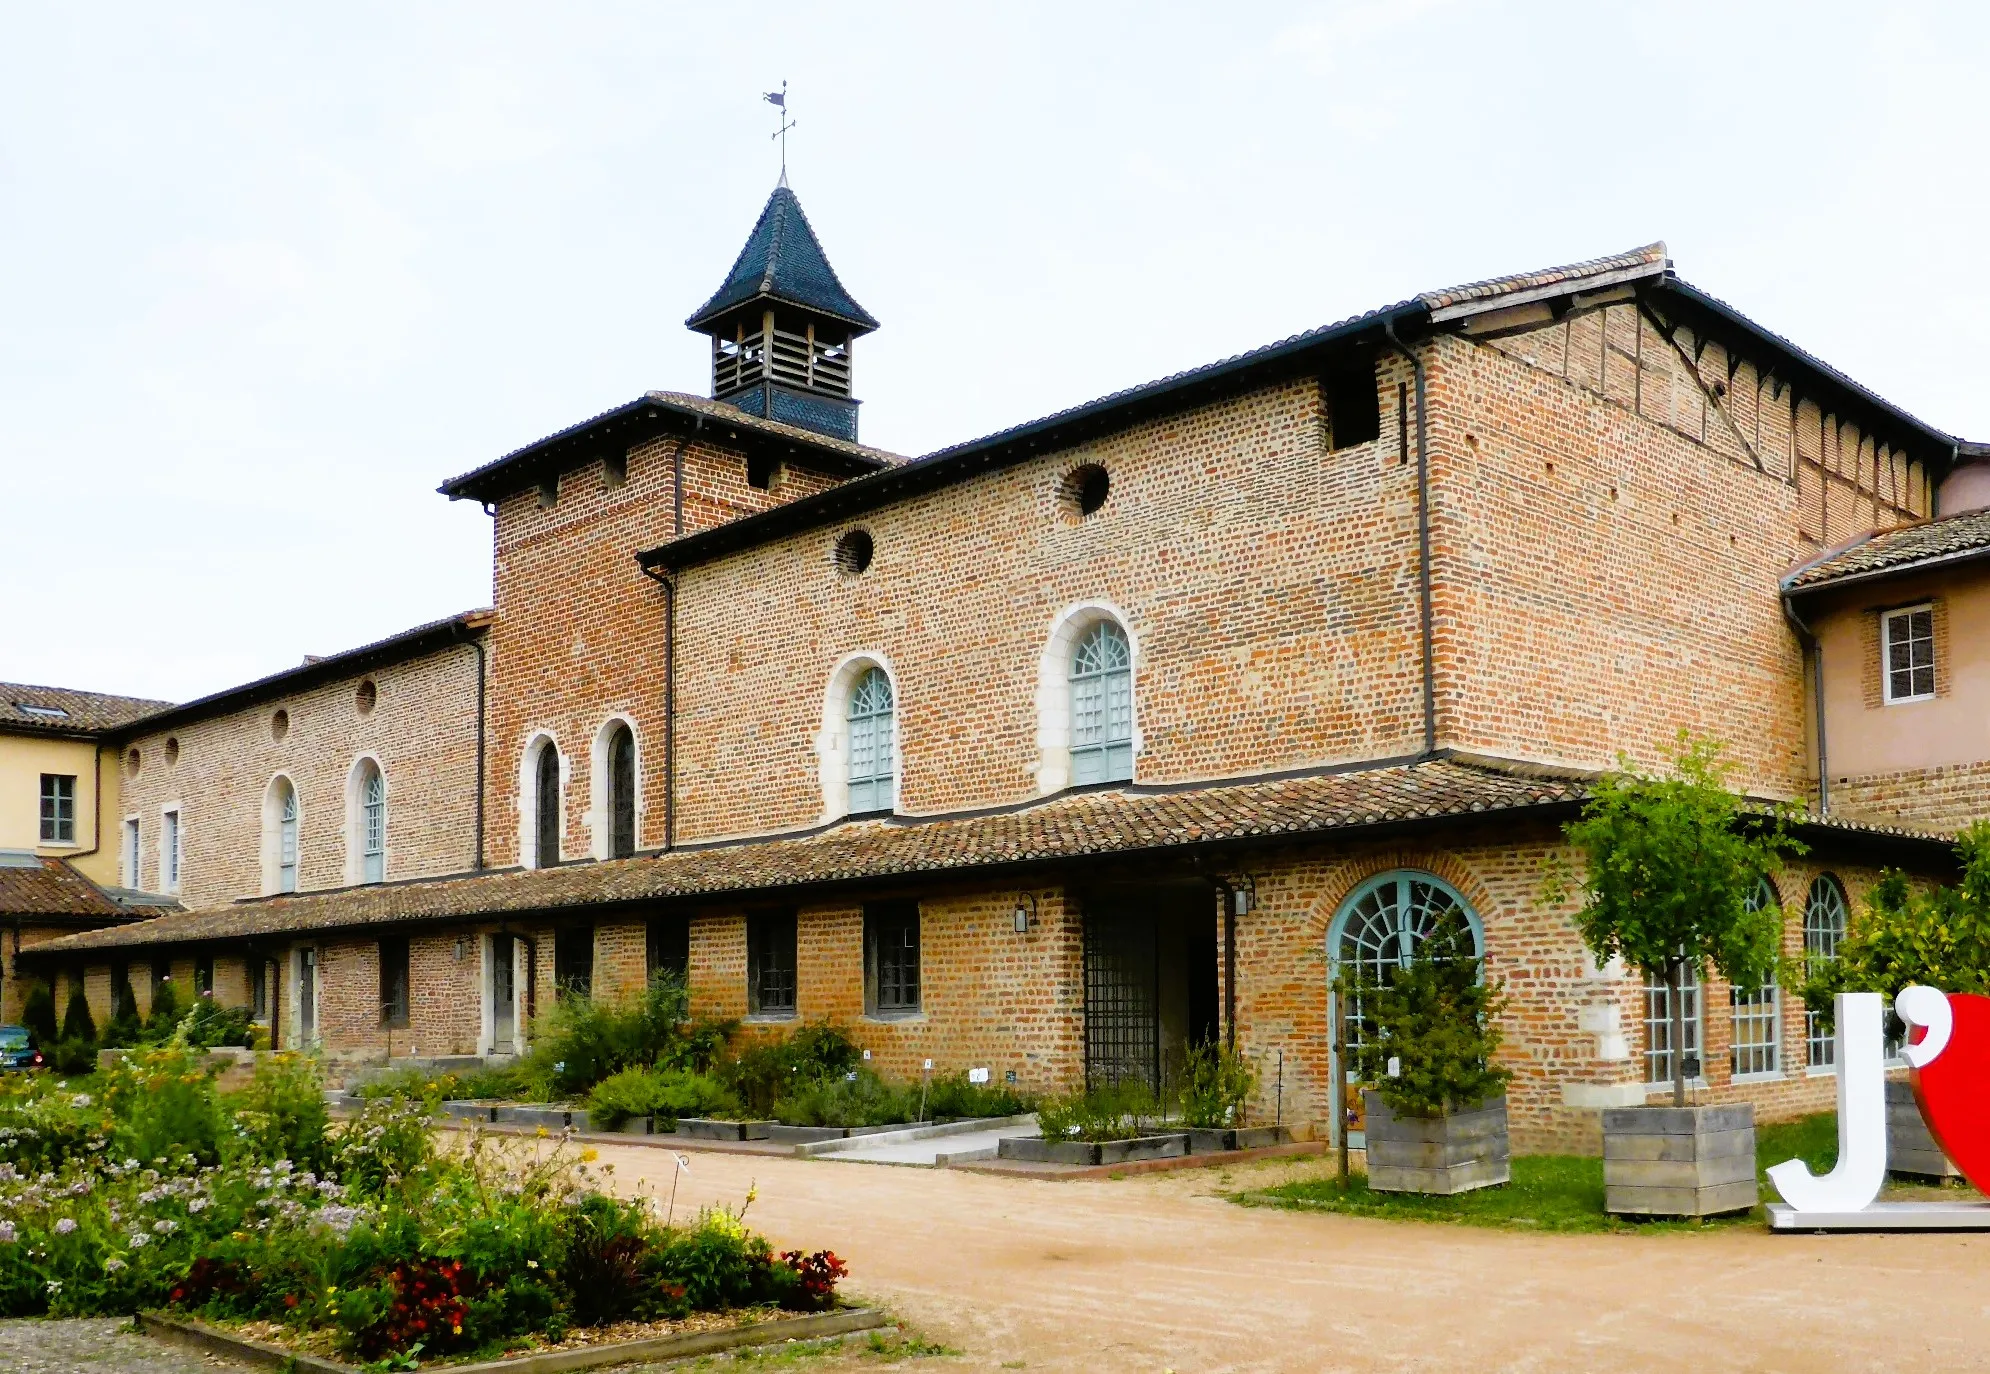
267 276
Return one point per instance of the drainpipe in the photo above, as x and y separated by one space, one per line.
476 641
1423 540
1815 652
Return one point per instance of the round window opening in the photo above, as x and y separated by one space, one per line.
1084 490
172 750
132 762
853 552
366 697
279 726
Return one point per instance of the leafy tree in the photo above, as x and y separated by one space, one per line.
1438 1018
1939 936
38 1013
1670 863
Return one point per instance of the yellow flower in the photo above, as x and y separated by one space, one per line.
588 1156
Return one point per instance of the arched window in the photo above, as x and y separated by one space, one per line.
372 822
1757 1013
1824 921
1380 925
621 792
873 743
286 836
1102 706
546 806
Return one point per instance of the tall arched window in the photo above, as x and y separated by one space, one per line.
621 792
873 743
1824 920
372 818
546 809
1102 706
1757 1013
1380 925
286 836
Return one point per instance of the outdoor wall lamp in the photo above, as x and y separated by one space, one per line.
1243 895
1025 913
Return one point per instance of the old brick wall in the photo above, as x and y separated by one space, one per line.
1266 582
421 730
579 635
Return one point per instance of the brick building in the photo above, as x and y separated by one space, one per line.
1056 749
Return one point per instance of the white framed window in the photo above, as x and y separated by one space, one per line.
1907 666
1658 1026
372 823
616 771
132 853
873 745
58 808
1756 1014
1102 706
545 798
1824 921
169 849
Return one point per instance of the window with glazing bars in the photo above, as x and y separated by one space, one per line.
394 983
621 794
58 808
770 963
1102 706
373 827
873 743
891 958
667 947
132 854
573 961
286 840
1910 654
1824 920
547 837
1756 1014
169 852
1658 1023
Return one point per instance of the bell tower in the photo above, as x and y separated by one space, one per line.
782 327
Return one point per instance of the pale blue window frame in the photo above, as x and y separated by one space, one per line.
1102 706
1756 1014
286 839
1825 917
373 826
1380 925
873 720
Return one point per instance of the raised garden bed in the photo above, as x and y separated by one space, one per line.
1204 1140
805 1135
709 1128
1088 1152
1453 1152
548 1118
588 1348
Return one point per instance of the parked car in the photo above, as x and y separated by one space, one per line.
17 1049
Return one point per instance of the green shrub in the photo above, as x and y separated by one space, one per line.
486 1084
1217 1086
72 1055
165 1105
164 1017
952 1098
666 1094
281 1114
860 1098
38 1014
210 1025
763 1073
582 1040
1434 1020
386 1145
1118 1111
77 1023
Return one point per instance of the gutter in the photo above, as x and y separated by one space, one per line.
1814 651
1423 538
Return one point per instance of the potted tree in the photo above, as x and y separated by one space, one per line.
1938 936
1435 1102
1670 863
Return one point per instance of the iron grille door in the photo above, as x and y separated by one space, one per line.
1122 999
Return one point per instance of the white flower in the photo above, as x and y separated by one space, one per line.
55 1285
199 1204
65 1225
80 1100
6 1233
113 1264
165 1228
139 1240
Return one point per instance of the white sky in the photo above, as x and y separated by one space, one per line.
268 276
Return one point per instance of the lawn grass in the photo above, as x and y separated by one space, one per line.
1561 1193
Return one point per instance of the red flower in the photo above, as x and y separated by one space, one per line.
290 1300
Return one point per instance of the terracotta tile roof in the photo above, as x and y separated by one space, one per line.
65 711
1646 261
32 886
1119 822
1950 539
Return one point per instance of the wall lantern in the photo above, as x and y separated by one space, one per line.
1243 895
1025 913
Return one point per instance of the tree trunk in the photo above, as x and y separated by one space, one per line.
1674 1004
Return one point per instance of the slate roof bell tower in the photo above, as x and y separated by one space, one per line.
782 326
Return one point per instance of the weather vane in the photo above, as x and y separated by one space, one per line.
779 100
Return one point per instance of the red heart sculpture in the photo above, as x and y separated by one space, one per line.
1953 1089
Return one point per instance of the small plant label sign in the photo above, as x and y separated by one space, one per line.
977 1075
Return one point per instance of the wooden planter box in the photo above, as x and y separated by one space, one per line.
1208 1140
708 1128
1452 1153
1679 1161
1910 1147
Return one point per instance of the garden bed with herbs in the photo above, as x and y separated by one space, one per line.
372 1238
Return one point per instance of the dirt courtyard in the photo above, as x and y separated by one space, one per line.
1159 1273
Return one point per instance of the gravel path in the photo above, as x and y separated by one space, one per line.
95 1345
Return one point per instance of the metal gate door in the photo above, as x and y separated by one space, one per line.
1122 999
